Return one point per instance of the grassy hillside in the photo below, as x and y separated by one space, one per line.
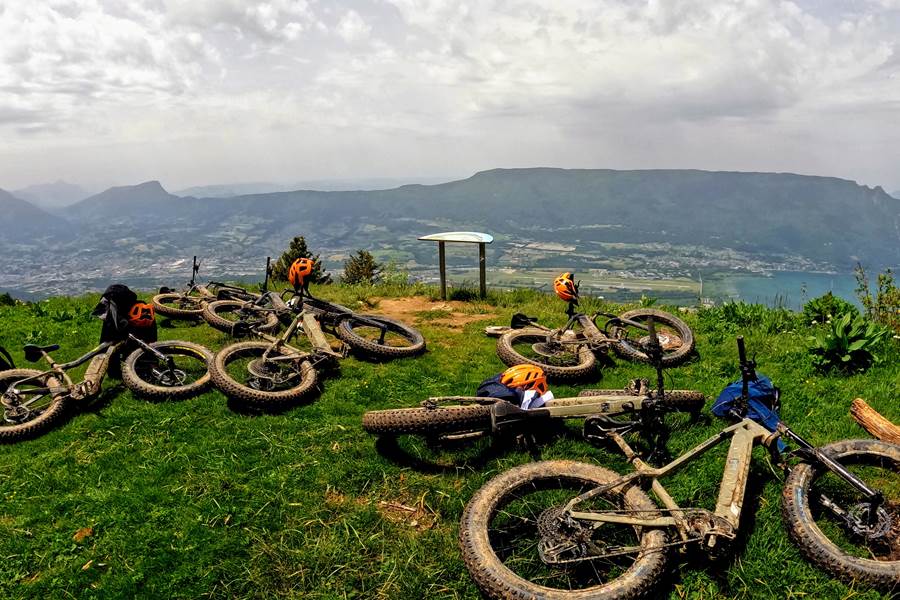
194 499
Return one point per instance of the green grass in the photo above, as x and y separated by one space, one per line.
193 499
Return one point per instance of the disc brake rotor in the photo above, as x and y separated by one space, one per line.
879 530
668 341
269 373
549 349
171 378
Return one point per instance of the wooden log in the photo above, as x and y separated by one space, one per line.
872 421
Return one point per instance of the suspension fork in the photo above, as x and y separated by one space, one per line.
874 497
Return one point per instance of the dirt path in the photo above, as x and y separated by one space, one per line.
451 314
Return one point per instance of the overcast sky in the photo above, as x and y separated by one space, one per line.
195 92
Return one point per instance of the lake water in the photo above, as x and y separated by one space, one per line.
790 289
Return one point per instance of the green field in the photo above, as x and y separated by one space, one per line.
197 499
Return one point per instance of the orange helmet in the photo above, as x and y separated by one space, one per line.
529 377
299 270
141 315
566 288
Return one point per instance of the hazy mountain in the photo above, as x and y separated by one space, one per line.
23 222
896 194
143 202
331 185
52 196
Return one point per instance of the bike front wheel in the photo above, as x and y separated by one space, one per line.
188 375
870 554
379 336
515 522
631 342
28 411
262 377
560 361
441 420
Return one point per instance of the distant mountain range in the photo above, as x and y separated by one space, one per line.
656 221
52 196
827 220
323 185
22 221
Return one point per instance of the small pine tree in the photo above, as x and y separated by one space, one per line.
361 268
298 249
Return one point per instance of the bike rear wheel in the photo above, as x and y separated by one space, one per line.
675 337
517 513
561 362
397 340
822 538
178 306
223 314
240 371
144 374
28 413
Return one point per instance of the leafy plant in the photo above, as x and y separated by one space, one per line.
647 301
361 268
736 316
847 344
825 308
884 306
298 249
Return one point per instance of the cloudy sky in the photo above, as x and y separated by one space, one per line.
218 91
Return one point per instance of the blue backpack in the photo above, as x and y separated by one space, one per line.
762 405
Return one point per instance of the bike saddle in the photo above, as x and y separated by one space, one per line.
35 353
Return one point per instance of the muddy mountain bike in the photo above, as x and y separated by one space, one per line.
563 529
188 303
570 352
373 336
34 400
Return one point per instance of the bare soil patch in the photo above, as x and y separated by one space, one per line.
451 314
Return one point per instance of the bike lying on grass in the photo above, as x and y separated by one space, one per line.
450 416
34 400
369 335
570 352
272 373
563 529
189 302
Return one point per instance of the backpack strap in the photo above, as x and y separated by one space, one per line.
10 363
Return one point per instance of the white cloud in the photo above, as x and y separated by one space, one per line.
352 27
408 86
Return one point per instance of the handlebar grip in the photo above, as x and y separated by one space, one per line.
742 352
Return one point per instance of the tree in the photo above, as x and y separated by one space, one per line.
361 268
297 249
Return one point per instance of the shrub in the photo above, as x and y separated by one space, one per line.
847 344
884 306
7 300
297 249
361 268
826 308
735 316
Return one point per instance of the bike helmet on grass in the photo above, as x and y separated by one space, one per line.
299 270
566 288
528 377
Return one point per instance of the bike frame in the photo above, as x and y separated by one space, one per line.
61 383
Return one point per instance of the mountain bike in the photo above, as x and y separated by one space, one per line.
34 400
369 335
450 416
188 303
570 352
563 529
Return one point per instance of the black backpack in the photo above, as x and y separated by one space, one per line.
113 309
